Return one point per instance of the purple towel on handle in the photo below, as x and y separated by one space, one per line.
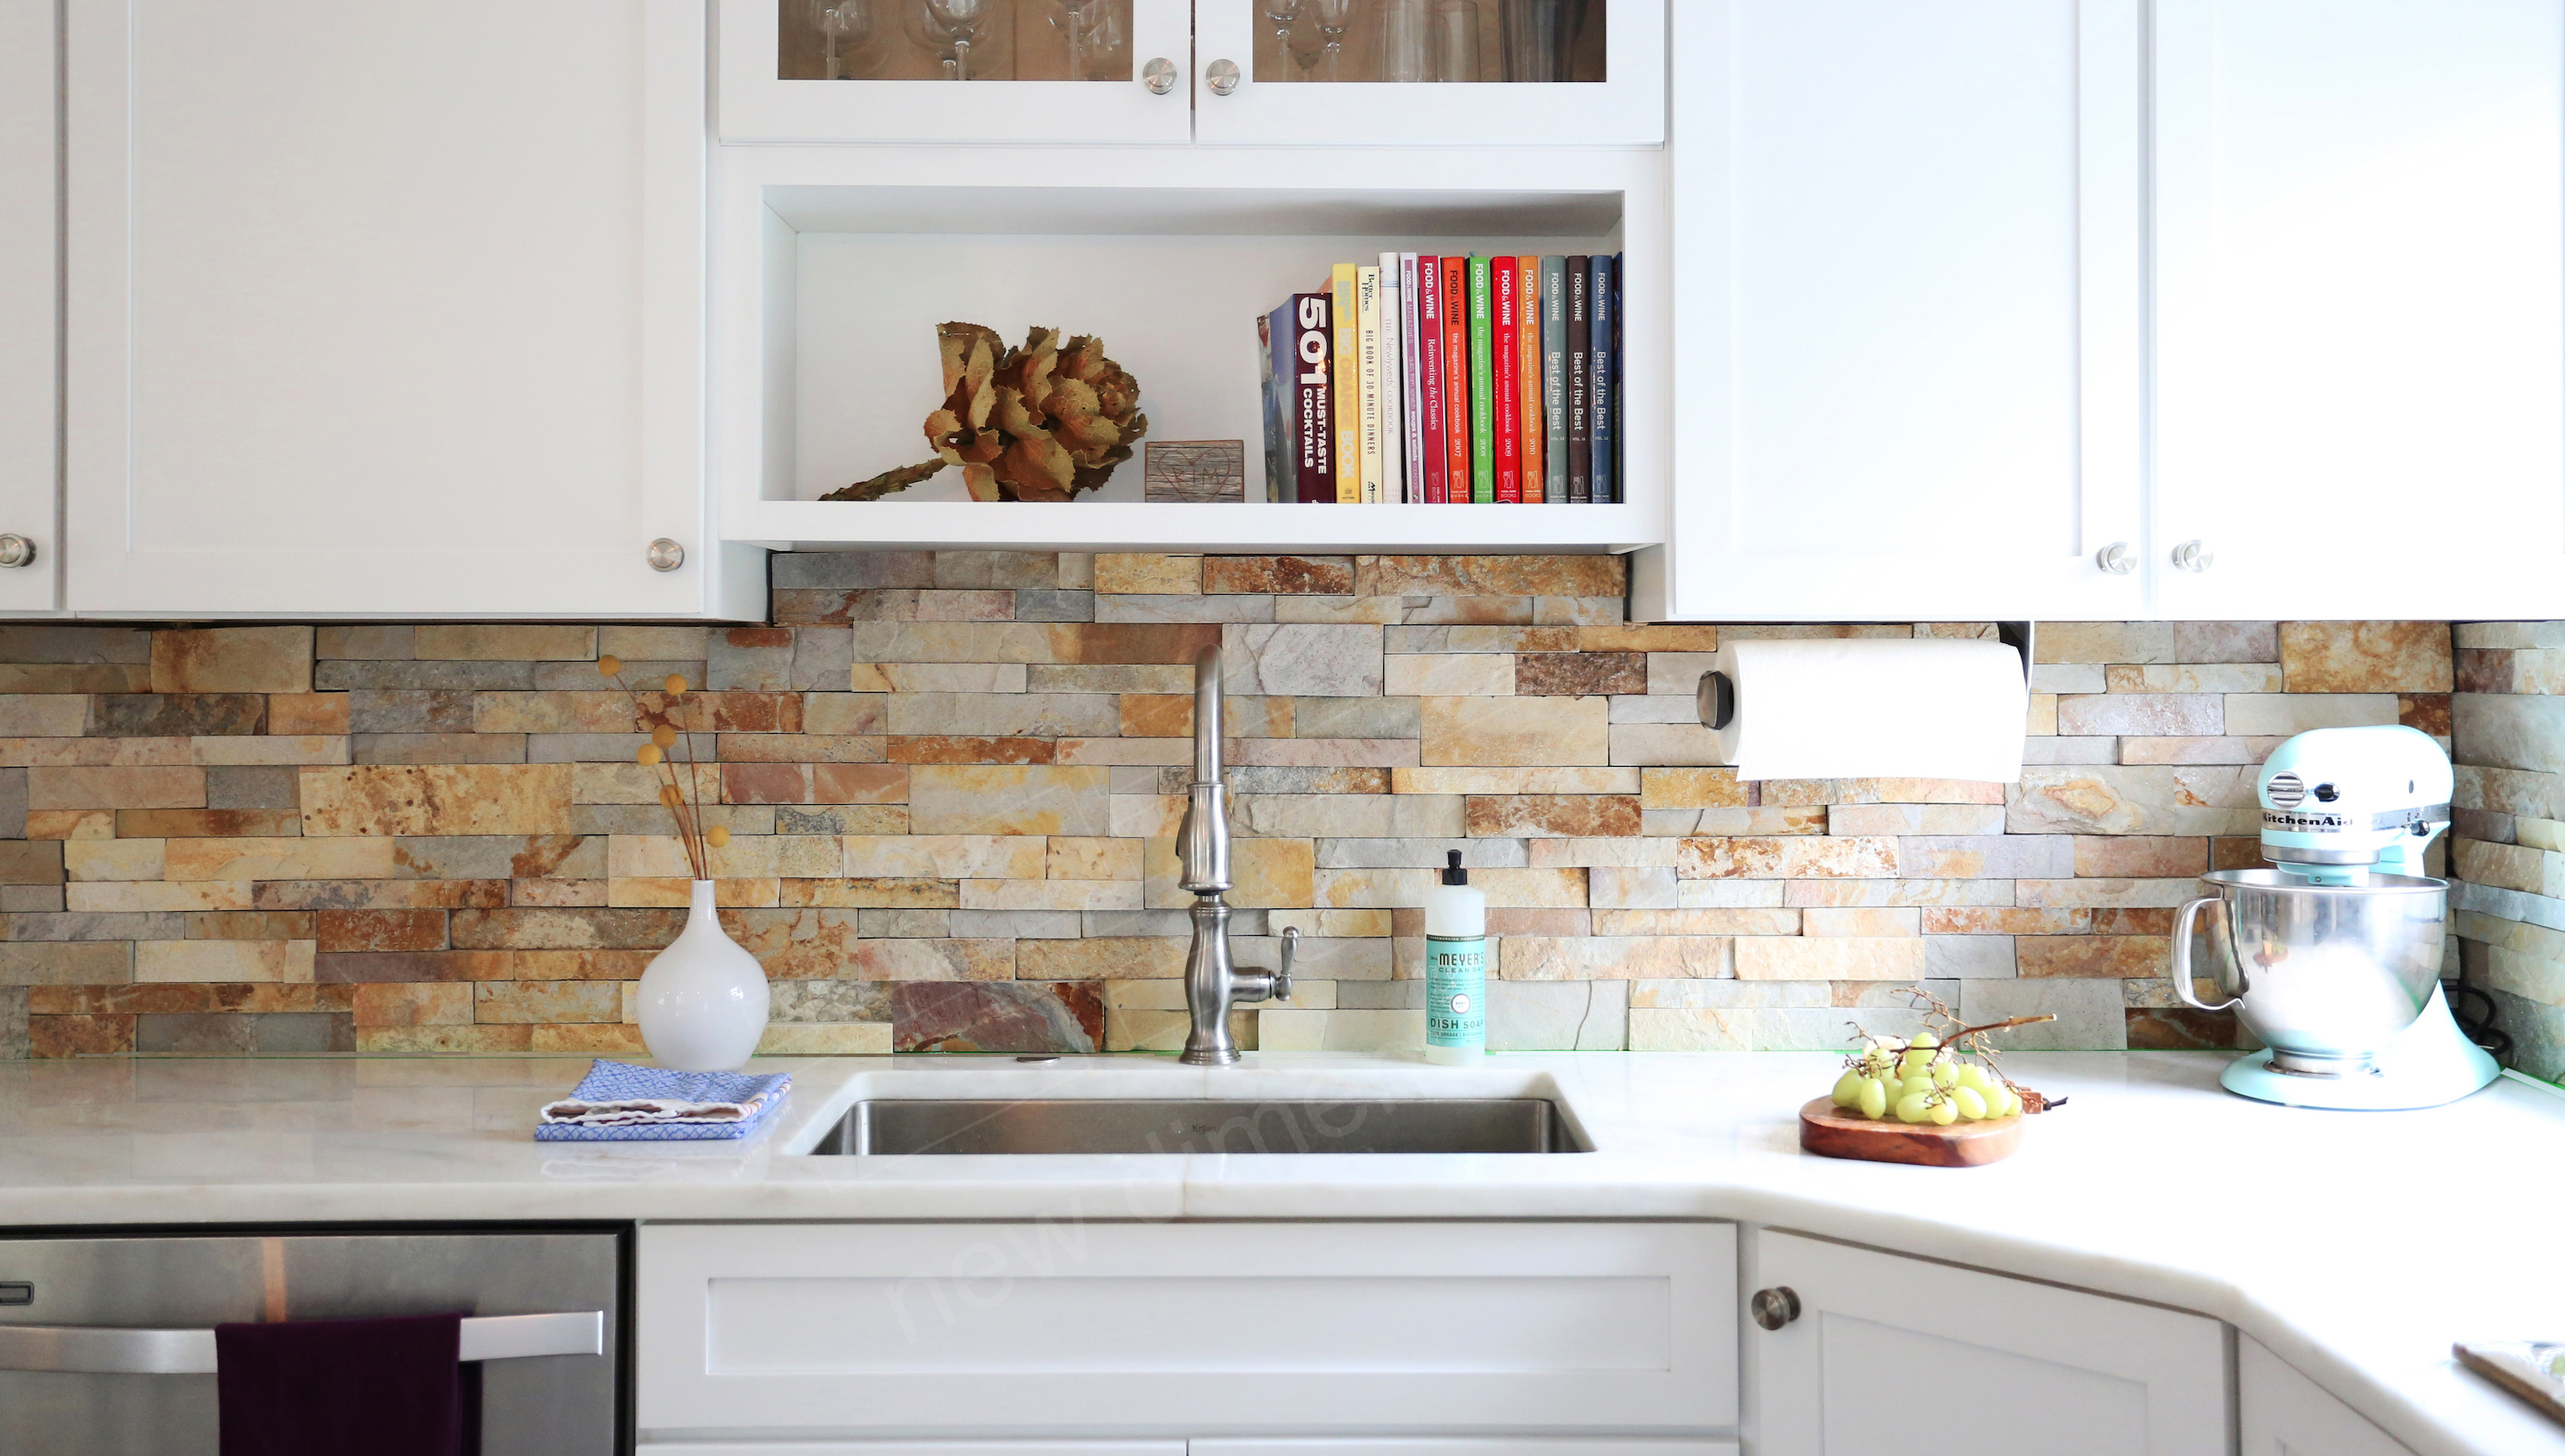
393 1386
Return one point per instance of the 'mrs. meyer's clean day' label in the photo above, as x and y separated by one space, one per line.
1455 991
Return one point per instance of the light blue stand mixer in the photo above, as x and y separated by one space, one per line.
2333 958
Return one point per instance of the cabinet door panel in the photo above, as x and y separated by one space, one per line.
913 1448
2361 330
1906 289
1882 1341
30 287
2283 1413
385 310
1460 1446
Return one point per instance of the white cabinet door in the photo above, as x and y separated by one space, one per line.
1460 1446
1884 1346
2283 1413
30 288
1907 291
1184 1329
881 71
385 310
1601 79
2361 310
913 1448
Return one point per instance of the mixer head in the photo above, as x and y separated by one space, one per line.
2338 802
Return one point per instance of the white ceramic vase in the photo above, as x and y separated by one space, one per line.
703 999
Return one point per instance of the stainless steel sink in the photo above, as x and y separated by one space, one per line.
903 1127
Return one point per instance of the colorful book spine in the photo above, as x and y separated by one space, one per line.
1580 380
1483 385
1367 334
1433 451
1410 374
1554 378
1273 343
1346 342
1620 391
1607 393
1527 374
1455 380
1506 306
1393 385
1314 398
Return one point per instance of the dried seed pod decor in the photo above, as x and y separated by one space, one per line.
1047 421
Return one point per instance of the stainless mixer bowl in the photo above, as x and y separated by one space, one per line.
2324 974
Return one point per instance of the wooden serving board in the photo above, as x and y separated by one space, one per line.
1829 1132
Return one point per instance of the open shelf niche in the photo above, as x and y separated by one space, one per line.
834 267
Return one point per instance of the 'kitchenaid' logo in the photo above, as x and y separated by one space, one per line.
2317 823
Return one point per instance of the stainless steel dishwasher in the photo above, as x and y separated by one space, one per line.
107 1342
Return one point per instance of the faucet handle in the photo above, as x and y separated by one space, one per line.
1282 978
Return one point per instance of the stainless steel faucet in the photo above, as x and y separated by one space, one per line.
1212 980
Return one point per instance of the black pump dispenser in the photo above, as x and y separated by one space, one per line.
1453 873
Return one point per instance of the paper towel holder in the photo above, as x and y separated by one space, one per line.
1715 697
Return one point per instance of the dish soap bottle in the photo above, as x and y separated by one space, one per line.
1456 969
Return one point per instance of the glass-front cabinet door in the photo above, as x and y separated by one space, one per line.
1429 72
956 71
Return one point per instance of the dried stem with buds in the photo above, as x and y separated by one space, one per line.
1955 1038
681 795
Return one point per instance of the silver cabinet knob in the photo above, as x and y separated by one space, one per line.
1160 75
665 554
1775 1307
1222 77
2193 556
2117 559
16 550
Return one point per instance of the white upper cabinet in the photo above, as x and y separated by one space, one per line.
1531 73
386 310
1907 281
1050 71
2360 327
1889 1353
30 319
1544 72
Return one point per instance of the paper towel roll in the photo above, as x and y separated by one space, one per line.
1872 707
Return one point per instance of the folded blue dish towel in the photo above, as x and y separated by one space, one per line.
620 1103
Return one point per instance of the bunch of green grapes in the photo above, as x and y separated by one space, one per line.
1923 1084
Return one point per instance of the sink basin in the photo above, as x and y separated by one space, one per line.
909 1127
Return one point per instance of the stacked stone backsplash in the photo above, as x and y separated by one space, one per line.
953 781
2509 721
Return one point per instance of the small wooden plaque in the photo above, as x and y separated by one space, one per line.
1195 470
1829 1131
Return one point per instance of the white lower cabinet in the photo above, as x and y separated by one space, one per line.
1298 1446
1188 1331
2283 1413
1885 1351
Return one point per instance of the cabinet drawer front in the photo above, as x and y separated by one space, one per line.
1000 1327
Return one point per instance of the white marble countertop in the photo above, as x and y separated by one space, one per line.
2357 1246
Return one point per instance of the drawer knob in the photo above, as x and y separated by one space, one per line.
2193 556
1222 76
16 550
1160 76
2117 559
1775 1307
665 554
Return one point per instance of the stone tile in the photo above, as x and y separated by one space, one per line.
222 960
756 783
1968 957
2281 714
2219 677
2088 1013
1311 816
1179 642
1736 921
42 643
2161 715
1015 1017
176 715
2125 801
2424 714
1357 717
279 859
1118 957
1490 576
232 659
1349 753
754 660
1787 857
1054 607
1298 576
1155 573
2131 857
2110 894
1690 788
882 677
1419 854
1615 958
1170 680
481 798
1981 857
1800 959
1516 732
1311 660
1028 714
2366 657
1174 609
2123 957
115 788
67 963
1861 921
333 675
74 678
1479 638
2197 750
2227 641
1533 1015
1477 613
1915 819
414 1004
1559 815
2105 641
517 1002
43 715
1646 851
1448 674
2058 677
1880 791
1007 569
441 748
852 570
937 749
1664 743
1007 800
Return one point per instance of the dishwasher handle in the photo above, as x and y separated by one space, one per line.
108 1351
